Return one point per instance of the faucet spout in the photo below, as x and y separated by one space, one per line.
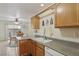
45 37
44 34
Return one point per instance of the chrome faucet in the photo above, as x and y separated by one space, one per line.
44 34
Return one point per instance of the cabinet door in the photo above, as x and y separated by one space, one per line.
78 13
23 48
24 51
39 51
66 15
35 22
33 48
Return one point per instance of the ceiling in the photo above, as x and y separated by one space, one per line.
23 11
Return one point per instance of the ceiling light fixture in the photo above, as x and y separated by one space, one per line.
42 5
16 21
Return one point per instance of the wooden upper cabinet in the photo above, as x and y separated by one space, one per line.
35 22
66 15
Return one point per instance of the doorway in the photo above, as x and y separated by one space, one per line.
12 34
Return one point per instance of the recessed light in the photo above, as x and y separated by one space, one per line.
42 5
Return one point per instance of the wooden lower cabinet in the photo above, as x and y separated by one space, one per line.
23 48
30 48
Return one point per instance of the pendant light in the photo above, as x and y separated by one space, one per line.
16 21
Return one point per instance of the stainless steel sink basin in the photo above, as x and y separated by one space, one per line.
42 40
45 41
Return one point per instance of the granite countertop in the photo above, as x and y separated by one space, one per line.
64 47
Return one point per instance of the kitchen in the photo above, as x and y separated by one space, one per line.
49 29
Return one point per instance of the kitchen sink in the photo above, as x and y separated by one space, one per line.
42 40
45 41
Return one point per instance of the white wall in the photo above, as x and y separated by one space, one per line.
25 29
31 31
69 34
2 30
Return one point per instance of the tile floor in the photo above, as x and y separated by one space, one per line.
6 50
